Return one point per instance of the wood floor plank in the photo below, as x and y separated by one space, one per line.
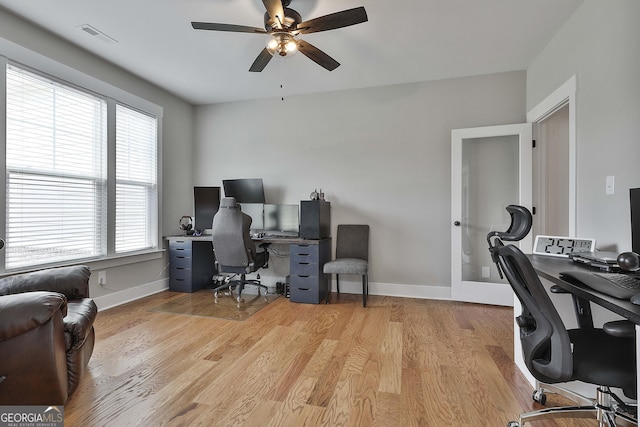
320 358
391 363
363 400
398 362
389 410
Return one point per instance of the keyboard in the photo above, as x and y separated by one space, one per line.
617 285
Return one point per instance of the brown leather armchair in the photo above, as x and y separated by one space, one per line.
46 335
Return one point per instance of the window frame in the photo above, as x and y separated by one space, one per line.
53 70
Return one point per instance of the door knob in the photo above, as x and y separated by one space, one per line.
456 223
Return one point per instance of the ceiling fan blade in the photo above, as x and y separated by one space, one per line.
261 61
226 27
333 21
275 11
317 56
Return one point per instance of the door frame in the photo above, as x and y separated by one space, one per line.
565 95
486 292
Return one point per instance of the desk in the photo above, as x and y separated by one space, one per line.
550 267
192 259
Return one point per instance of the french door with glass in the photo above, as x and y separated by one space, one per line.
491 168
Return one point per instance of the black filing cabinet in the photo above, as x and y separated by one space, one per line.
191 264
308 283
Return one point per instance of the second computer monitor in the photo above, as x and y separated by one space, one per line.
256 212
281 219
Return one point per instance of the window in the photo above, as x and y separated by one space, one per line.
136 213
56 172
58 187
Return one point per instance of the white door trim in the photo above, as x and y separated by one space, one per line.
564 95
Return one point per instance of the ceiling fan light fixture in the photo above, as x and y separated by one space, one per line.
282 44
282 25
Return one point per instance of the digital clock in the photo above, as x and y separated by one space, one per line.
562 246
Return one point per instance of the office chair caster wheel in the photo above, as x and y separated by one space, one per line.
513 424
539 396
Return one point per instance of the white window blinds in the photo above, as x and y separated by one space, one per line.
56 171
136 180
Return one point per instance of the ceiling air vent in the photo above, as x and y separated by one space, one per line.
93 31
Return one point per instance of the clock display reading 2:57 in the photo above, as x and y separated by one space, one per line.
562 246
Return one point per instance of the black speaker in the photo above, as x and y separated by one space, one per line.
315 219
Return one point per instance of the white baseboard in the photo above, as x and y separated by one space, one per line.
348 287
121 297
483 293
395 290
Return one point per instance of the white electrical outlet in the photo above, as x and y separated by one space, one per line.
486 272
102 278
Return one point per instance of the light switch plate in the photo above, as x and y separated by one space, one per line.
610 185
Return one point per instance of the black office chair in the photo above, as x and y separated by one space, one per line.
554 354
235 252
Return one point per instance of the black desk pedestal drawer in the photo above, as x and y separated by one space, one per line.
191 265
308 283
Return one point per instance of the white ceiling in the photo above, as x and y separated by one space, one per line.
403 41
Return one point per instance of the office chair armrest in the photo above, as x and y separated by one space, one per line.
581 307
620 328
555 289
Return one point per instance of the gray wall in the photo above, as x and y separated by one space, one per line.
600 45
380 155
177 138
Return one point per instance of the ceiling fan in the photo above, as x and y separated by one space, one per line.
283 25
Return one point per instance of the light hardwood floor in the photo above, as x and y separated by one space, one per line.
398 362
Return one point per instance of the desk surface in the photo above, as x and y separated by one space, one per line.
550 268
272 240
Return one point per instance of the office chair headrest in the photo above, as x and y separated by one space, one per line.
228 202
521 221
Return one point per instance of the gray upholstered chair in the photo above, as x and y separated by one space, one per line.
235 252
352 256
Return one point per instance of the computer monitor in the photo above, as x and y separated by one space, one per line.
248 190
206 201
281 219
256 212
634 198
